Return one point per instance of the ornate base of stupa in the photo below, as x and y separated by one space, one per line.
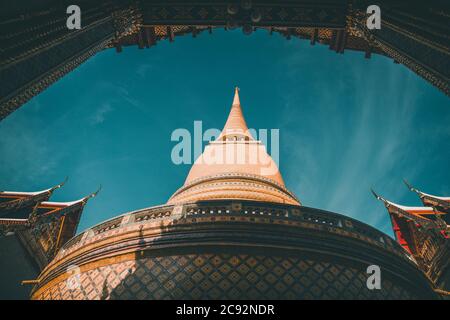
231 250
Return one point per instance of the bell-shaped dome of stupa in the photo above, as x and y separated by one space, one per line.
234 166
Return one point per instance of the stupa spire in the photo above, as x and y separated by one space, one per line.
235 126
236 100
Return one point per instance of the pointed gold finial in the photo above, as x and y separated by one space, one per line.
410 187
59 185
92 195
387 204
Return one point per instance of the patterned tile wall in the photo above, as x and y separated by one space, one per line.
222 276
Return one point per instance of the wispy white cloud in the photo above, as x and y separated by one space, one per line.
143 69
338 152
100 113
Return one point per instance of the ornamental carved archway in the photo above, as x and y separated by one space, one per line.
37 48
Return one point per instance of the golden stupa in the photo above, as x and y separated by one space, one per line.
232 231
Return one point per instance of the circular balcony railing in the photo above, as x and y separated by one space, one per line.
257 212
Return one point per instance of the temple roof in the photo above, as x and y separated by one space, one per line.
18 204
42 226
423 194
415 226
410 213
447 199
441 204
234 166
24 193
428 217
414 210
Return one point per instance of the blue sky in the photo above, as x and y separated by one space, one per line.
346 124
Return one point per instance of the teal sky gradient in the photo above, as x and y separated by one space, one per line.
346 124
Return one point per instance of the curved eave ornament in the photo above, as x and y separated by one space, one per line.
67 207
29 197
395 209
443 203
420 222
53 226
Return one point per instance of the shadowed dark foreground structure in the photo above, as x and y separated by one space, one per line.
232 231
37 48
